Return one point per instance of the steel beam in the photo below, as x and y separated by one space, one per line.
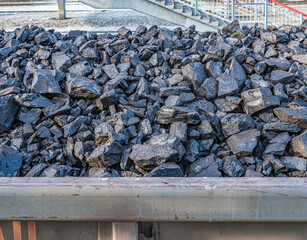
154 199
155 9
233 10
266 12
196 7
62 10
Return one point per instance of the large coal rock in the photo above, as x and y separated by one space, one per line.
244 143
205 167
106 155
235 122
82 87
10 161
295 163
297 115
195 73
8 110
61 61
170 141
168 169
259 99
167 115
45 83
299 145
232 167
150 156
277 145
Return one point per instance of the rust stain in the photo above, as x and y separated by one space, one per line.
75 195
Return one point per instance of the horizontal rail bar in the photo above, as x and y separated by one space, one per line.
49 11
247 4
154 199
25 3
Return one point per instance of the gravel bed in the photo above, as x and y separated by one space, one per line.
154 103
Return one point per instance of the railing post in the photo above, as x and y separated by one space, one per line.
62 10
196 7
302 18
233 9
266 6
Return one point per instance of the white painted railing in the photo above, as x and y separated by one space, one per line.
281 15
248 12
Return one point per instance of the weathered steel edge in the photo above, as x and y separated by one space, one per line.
153 9
154 199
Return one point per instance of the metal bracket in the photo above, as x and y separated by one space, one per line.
118 231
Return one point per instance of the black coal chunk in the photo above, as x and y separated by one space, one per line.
106 155
10 161
45 83
154 102
150 156
82 87
205 167
8 110
166 170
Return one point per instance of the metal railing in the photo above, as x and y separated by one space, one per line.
248 12
282 14
218 8
266 12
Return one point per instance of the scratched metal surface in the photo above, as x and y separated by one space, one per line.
154 199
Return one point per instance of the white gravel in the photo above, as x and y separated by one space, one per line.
80 16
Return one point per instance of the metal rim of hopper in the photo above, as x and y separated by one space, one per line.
154 199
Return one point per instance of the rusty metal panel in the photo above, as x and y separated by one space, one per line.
154 199
125 230
232 231
55 230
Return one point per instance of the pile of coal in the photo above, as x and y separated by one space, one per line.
154 102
